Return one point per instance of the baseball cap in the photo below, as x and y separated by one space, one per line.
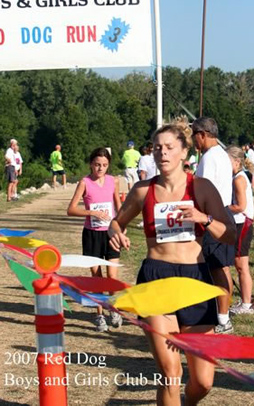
130 144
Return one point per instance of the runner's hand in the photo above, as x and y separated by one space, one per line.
119 240
101 215
190 213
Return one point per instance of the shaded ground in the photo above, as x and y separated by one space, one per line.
125 350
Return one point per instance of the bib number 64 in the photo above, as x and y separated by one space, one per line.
171 221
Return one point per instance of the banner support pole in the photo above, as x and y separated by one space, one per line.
158 62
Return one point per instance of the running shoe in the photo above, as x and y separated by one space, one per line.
224 328
101 324
239 309
116 319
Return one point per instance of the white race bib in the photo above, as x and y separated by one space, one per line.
168 224
106 207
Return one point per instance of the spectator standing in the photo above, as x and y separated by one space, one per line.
10 164
242 209
18 169
193 160
130 160
249 153
147 166
57 166
215 165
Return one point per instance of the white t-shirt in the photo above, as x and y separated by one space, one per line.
18 160
10 155
248 211
250 155
215 165
147 164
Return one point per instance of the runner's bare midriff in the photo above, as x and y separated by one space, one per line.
189 252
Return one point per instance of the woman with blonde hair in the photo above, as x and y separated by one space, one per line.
242 209
169 202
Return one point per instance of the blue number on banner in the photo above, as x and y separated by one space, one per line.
116 32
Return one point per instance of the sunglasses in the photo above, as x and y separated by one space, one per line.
198 132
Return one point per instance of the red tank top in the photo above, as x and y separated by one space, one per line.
150 201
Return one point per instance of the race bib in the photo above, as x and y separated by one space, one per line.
106 208
168 224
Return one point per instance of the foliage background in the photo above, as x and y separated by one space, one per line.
81 110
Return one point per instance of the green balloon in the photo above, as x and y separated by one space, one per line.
26 277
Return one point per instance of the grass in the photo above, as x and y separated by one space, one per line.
5 206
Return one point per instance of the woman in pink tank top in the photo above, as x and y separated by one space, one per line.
100 194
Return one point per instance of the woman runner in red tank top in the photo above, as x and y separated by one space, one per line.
172 205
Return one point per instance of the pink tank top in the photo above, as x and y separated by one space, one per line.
99 198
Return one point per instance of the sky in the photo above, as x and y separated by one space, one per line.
229 35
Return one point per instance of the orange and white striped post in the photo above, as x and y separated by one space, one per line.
49 322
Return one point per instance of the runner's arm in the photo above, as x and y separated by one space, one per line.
129 210
222 228
117 200
240 186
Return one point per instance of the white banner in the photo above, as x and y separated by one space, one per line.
52 34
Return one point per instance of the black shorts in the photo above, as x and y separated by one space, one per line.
10 174
217 254
245 243
204 313
96 244
61 172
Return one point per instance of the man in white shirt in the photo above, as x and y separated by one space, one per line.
18 169
249 153
215 165
147 166
10 169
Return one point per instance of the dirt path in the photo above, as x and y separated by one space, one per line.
105 374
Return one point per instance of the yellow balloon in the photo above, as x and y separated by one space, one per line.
23 242
164 296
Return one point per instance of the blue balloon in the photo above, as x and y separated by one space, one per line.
6 232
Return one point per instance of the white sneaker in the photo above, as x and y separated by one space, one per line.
239 309
101 324
140 225
116 319
235 306
224 328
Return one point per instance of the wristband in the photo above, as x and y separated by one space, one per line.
209 221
